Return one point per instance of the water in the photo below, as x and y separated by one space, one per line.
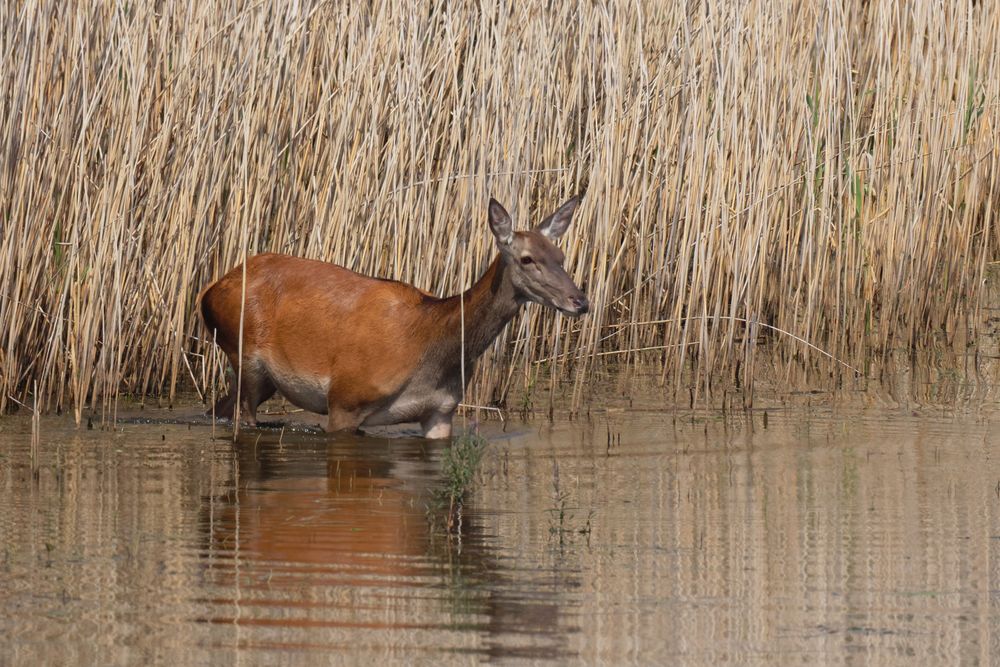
832 535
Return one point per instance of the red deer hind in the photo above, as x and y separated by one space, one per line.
370 352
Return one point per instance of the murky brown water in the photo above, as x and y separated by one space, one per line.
843 536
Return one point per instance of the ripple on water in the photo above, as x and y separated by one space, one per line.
633 536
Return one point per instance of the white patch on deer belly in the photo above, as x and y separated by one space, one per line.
305 390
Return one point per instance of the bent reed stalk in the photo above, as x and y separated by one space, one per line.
826 169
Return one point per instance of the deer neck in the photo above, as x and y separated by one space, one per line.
485 309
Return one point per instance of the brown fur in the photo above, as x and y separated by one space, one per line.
289 296
368 341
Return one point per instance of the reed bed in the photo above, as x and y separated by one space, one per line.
755 172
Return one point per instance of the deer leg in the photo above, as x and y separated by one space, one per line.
437 425
224 407
339 419
255 388
256 393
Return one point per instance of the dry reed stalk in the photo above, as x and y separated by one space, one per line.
36 434
827 169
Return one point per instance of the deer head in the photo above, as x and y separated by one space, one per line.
535 263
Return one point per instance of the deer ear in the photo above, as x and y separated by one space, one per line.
500 223
556 224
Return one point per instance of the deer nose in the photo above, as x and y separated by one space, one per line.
581 304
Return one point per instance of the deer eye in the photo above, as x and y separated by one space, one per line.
527 260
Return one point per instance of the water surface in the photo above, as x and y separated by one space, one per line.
852 535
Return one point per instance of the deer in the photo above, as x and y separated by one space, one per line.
369 351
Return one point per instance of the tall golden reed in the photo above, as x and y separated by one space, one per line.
820 171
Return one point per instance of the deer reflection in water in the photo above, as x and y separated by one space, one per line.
336 505
335 534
